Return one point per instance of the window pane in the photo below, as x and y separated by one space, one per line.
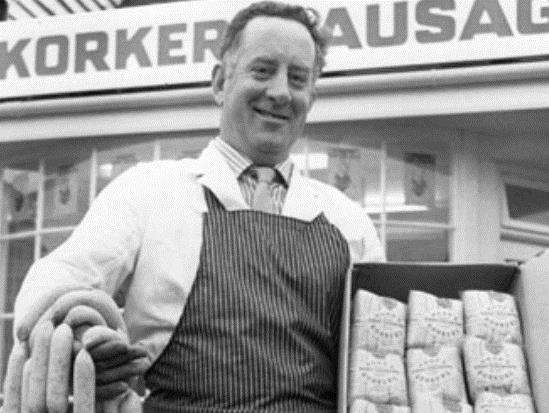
5 347
184 147
418 183
417 244
16 256
298 155
528 204
351 168
49 242
66 191
19 193
113 161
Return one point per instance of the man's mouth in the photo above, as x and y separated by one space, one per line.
275 115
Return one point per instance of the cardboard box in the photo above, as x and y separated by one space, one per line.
529 283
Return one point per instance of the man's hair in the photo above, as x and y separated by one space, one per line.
308 17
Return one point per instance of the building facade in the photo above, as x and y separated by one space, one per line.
434 116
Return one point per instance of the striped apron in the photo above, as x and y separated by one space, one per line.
260 328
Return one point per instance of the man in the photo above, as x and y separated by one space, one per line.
232 265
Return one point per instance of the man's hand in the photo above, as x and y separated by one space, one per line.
116 361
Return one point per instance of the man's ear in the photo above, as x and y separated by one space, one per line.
218 81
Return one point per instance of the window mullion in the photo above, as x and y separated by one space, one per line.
419 224
156 150
93 175
39 208
3 229
4 245
383 190
307 151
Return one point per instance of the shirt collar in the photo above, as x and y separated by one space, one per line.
238 162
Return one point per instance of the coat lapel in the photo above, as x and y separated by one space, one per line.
210 170
302 200
213 172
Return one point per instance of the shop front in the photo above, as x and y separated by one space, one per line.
432 115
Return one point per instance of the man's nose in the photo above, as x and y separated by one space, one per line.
278 89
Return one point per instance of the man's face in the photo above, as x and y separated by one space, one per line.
267 91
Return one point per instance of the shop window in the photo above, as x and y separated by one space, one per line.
16 257
112 162
417 185
44 197
404 185
416 243
6 343
19 194
49 242
184 147
351 168
66 191
525 203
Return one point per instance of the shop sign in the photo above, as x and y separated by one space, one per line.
175 43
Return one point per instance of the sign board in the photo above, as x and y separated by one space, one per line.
174 43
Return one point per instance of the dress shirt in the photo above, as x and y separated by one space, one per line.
240 165
142 236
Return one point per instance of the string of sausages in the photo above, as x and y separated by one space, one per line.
50 365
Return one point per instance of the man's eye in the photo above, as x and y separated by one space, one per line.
261 71
298 80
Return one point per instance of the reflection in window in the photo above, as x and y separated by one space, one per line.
49 242
418 183
20 193
16 257
298 155
528 204
112 162
417 244
66 192
5 346
354 170
184 147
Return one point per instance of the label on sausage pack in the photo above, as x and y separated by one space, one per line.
377 377
434 321
496 367
491 315
488 402
435 372
378 323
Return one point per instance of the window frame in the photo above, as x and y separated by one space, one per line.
529 180
40 231
383 223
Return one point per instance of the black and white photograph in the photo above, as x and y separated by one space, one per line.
237 206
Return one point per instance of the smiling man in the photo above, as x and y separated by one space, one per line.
265 85
232 266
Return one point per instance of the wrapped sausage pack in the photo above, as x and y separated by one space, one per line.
377 377
435 372
493 366
529 285
492 315
428 404
378 323
365 406
488 402
433 321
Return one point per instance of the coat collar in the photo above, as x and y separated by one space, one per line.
211 170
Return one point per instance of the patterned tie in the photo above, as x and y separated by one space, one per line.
262 199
